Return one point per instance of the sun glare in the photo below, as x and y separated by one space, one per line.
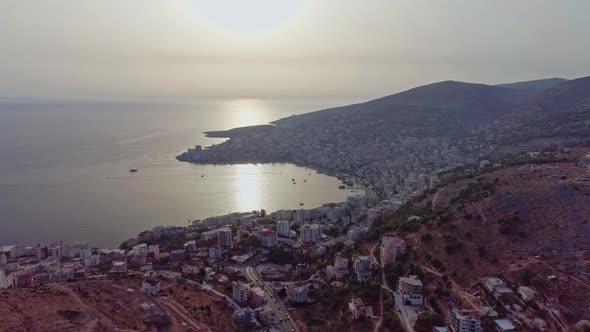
253 18
247 112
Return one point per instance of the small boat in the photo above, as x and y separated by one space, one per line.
341 187
202 176
133 170
293 180
304 180
301 204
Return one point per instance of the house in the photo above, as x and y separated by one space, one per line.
496 287
358 309
119 268
225 237
526 293
151 286
297 294
439 329
391 248
411 290
6 279
465 321
243 314
504 325
339 269
177 255
362 268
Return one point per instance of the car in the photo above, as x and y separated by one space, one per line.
288 317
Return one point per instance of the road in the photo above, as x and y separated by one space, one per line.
287 324
405 313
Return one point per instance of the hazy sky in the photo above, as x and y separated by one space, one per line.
273 48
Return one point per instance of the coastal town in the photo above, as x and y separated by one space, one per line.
290 270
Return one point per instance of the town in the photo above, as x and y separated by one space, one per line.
283 270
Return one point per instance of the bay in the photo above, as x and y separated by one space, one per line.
64 167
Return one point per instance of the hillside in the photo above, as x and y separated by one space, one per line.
535 86
447 95
523 223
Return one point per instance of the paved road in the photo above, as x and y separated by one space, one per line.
287 324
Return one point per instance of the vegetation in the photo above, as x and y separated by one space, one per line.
426 321
505 223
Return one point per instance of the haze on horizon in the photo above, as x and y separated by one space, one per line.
291 48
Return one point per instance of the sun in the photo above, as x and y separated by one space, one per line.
247 17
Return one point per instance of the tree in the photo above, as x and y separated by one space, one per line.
251 241
282 293
426 321
278 255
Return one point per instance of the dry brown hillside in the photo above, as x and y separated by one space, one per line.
523 223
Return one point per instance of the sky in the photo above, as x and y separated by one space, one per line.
276 49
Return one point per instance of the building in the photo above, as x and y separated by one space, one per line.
411 290
391 248
526 293
209 235
215 252
6 279
243 314
362 268
504 325
190 246
357 308
240 292
119 268
357 233
225 237
257 298
310 233
284 228
496 287
268 238
439 329
465 321
339 269
151 286
153 252
297 294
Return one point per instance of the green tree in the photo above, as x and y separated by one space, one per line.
426 321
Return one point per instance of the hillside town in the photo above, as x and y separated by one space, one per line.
291 269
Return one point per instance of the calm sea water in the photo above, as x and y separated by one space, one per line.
64 168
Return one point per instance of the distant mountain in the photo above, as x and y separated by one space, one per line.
567 94
536 86
468 99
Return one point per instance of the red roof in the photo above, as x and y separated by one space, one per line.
267 232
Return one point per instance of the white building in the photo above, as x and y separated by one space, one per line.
240 292
140 250
310 233
297 294
362 268
119 267
411 290
151 286
391 248
190 246
268 238
465 321
6 279
284 228
215 252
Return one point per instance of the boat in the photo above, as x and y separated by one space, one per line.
202 176
301 204
341 187
304 180
133 170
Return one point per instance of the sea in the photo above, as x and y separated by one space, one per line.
64 167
